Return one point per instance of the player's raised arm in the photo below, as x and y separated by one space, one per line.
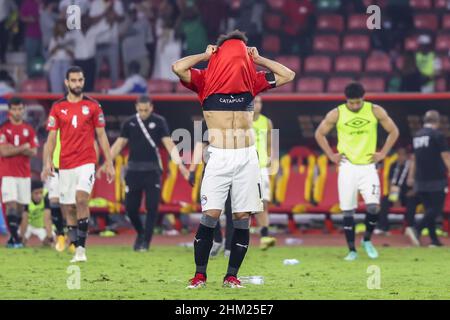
388 124
181 67
282 73
327 124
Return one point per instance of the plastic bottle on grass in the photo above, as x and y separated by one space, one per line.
252 279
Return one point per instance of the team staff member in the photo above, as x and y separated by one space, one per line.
356 122
78 118
226 89
429 170
143 132
18 143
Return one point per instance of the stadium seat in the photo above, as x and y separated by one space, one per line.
310 85
325 192
442 43
104 196
286 88
441 84
373 84
326 44
292 62
357 22
378 62
160 86
271 44
381 3
338 84
348 64
102 84
441 4
411 43
317 64
35 85
428 22
446 22
275 4
356 43
272 21
420 4
330 23
179 88
445 61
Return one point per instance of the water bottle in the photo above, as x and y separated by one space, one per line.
252 279
293 241
288 262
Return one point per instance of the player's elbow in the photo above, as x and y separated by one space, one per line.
176 68
290 76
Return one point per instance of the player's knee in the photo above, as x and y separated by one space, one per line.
241 223
208 221
373 208
348 213
82 202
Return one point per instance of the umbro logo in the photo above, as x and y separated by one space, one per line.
196 240
357 123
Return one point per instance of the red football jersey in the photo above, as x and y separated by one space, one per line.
17 135
230 70
76 123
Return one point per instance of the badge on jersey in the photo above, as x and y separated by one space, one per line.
26 133
85 110
51 121
2 138
101 118
152 125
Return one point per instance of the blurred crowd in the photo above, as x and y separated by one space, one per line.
137 40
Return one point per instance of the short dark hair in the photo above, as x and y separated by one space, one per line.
144 99
14 101
432 117
36 184
73 69
354 90
235 34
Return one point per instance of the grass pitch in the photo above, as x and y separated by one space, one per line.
116 272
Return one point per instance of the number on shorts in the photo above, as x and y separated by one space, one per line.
74 121
375 190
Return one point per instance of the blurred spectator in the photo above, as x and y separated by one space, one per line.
135 83
297 25
411 78
29 14
214 15
427 62
83 4
108 42
398 193
250 21
48 16
328 5
7 7
6 83
168 46
134 42
60 57
192 30
84 48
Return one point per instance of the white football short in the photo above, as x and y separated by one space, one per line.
353 178
52 186
16 189
237 169
265 184
81 178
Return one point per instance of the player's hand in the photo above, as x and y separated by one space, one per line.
336 158
410 182
99 172
47 171
210 49
110 172
25 147
378 156
253 52
184 172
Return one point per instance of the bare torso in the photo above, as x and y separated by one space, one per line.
230 129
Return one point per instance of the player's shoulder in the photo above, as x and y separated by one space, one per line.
130 119
158 117
91 101
59 102
5 124
28 126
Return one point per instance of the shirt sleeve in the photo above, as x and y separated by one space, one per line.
33 141
2 137
125 131
197 80
165 132
53 122
442 143
264 80
99 117
46 202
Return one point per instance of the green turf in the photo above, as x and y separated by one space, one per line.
118 273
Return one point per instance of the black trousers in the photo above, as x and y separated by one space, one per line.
434 205
138 182
88 67
410 202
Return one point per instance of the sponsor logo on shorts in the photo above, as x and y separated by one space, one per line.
203 200
85 110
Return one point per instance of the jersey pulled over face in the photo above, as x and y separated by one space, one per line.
76 123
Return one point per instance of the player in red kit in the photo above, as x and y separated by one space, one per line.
18 143
78 118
